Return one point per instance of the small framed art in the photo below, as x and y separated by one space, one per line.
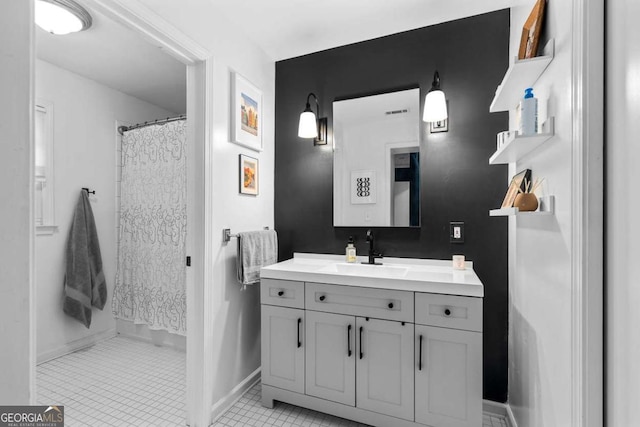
516 184
531 32
248 175
246 113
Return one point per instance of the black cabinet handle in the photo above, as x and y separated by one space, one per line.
361 343
420 355
299 323
447 312
390 305
349 340
322 297
280 293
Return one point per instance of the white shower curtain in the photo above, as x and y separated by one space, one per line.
151 276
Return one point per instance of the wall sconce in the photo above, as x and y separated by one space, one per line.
435 104
310 127
61 16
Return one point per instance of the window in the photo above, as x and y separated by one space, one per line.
44 207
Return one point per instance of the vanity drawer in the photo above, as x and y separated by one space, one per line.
449 311
357 301
285 293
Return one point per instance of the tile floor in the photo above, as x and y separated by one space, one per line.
123 382
248 411
117 382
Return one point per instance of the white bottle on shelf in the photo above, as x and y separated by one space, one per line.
527 114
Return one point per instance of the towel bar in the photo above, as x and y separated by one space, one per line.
226 234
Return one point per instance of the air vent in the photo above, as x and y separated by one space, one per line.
404 111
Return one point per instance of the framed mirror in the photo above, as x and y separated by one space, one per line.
376 169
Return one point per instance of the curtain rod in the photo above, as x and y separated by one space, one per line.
123 129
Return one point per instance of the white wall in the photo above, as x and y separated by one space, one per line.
235 340
16 191
540 272
622 206
85 114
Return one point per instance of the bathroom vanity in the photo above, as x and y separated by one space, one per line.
398 344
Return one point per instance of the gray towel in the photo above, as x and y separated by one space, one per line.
256 249
84 282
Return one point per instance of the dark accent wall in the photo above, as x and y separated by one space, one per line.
457 182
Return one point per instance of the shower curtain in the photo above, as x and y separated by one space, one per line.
151 275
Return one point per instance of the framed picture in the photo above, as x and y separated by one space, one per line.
248 175
517 183
246 113
531 31
363 187
441 126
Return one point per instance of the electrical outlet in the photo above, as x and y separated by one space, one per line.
456 232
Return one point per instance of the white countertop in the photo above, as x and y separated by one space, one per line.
408 274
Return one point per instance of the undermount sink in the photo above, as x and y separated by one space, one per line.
367 270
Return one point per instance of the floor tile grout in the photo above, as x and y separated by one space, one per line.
123 382
119 381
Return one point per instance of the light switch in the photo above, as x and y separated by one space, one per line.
456 232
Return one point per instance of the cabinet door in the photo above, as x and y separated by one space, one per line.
330 357
384 367
448 377
283 347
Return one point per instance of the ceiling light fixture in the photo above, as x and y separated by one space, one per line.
61 16
310 127
435 104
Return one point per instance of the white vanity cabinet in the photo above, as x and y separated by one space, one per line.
330 357
384 373
381 356
283 335
449 360
361 362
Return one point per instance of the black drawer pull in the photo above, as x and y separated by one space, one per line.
322 297
280 293
361 354
420 356
299 323
447 312
349 340
390 305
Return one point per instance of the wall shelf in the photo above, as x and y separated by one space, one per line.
520 75
546 207
519 146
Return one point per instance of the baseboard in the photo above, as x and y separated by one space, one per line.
511 418
76 345
222 405
500 409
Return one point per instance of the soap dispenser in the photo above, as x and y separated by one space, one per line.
351 250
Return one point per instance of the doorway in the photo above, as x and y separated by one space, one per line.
196 61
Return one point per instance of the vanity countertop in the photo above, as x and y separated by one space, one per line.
408 274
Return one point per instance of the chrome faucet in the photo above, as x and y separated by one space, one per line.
372 254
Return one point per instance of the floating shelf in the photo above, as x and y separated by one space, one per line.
521 74
546 207
519 146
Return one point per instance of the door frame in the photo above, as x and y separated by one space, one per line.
587 214
199 64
